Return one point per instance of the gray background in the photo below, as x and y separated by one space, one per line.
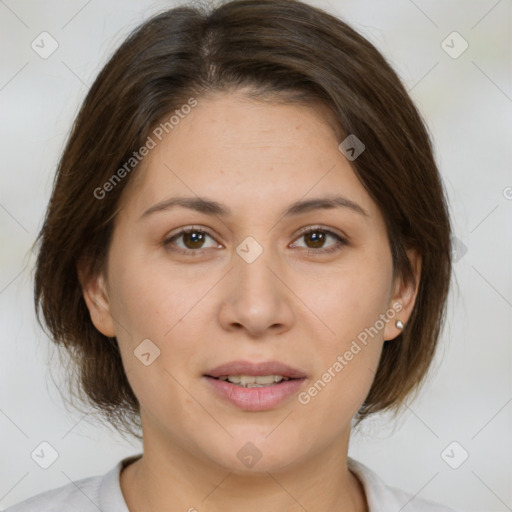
467 103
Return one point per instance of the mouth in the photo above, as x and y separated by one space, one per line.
250 381
255 386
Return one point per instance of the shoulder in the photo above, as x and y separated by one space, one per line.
76 496
384 498
100 492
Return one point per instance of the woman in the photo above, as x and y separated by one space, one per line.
246 251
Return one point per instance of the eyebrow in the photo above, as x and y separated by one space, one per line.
210 207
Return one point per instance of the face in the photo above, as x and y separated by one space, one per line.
249 279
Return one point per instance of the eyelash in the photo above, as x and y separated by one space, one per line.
310 252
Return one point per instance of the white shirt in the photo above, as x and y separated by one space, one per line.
103 492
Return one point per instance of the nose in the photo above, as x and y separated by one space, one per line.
257 298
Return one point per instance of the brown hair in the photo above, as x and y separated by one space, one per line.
278 49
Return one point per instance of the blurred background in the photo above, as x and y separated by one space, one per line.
453 444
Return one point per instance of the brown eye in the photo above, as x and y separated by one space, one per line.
192 240
316 238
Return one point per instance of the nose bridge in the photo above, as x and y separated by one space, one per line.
254 259
257 298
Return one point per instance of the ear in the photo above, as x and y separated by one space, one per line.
404 296
95 294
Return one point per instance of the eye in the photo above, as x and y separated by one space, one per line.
193 240
316 238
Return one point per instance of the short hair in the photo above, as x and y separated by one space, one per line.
281 50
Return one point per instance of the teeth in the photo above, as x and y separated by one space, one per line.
250 381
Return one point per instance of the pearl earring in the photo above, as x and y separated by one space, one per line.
399 324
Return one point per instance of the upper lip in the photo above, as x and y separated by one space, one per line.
254 369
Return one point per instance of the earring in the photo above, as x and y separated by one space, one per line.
399 324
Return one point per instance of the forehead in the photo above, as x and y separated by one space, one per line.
234 149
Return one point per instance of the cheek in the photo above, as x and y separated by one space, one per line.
353 297
148 298
346 362
154 302
353 301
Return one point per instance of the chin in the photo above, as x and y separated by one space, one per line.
256 454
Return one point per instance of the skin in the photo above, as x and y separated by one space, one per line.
208 307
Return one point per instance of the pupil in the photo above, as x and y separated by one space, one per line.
317 238
194 238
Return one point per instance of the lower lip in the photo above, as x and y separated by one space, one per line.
255 399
